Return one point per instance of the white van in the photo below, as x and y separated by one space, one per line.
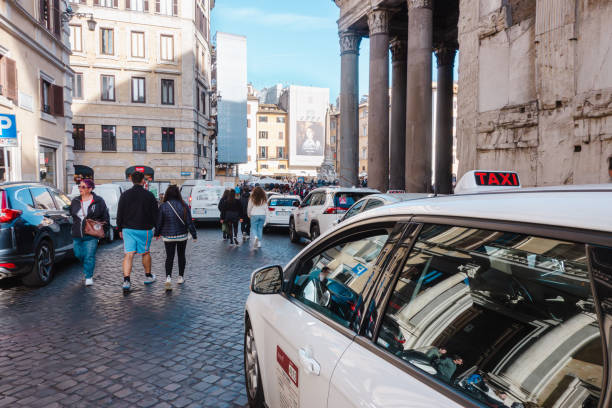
204 202
110 193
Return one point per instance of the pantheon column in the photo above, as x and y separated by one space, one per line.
397 158
378 101
418 97
349 108
445 57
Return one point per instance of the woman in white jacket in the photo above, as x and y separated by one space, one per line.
256 210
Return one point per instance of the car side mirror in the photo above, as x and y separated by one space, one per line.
267 280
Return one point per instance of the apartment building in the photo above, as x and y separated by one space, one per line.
142 89
250 167
272 128
35 92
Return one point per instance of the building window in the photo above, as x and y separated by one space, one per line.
263 152
282 166
203 97
46 97
248 109
167 7
280 119
263 166
364 153
139 138
78 137
77 89
108 88
332 140
168 140
52 98
167 95
249 143
109 138
281 135
138 44
280 152
8 79
365 131
138 90
76 38
332 125
248 123
167 48
108 3
136 5
107 41
263 134
263 118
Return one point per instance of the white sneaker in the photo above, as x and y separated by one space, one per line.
181 280
88 281
258 244
168 284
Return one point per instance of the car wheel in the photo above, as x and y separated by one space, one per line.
42 270
293 236
314 232
252 377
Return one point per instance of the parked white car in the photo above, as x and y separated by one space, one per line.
499 299
204 202
111 194
321 209
280 208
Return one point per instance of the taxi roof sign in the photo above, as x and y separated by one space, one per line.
477 181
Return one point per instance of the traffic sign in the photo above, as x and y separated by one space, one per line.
8 130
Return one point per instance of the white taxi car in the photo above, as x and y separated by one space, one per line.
280 208
499 299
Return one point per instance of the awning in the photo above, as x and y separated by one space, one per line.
83 171
148 171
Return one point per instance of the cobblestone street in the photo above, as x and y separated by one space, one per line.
65 345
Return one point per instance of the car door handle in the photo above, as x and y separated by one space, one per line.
310 364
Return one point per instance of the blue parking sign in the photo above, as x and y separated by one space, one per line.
359 269
8 130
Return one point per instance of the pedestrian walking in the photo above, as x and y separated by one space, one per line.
246 222
174 223
220 206
90 223
136 218
232 214
257 212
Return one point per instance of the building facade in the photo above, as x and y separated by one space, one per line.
250 167
142 89
272 138
36 87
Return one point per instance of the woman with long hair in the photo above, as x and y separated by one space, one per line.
232 215
257 212
226 194
174 223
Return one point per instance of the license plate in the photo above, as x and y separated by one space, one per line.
281 213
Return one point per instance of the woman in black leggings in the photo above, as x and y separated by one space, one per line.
174 223
233 215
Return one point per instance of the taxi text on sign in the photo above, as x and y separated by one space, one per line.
8 130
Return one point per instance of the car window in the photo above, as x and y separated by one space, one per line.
186 192
282 202
307 200
317 199
60 198
24 198
332 281
42 199
505 318
373 203
355 209
346 199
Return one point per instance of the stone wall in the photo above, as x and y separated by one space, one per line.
535 89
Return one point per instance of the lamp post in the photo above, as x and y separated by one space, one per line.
68 14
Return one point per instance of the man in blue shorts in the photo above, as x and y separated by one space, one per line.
136 217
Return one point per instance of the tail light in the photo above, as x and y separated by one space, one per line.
7 214
7 265
270 208
334 210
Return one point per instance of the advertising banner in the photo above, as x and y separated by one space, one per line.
307 111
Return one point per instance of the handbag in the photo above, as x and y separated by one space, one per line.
179 217
92 228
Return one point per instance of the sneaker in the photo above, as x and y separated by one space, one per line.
88 281
181 280
247 236
149 279
255 242
168 285
236 242
126 286
244 238
258 244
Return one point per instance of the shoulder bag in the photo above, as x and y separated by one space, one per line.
92 228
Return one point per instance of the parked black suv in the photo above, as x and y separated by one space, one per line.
35 227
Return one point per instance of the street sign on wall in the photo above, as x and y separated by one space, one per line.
8 130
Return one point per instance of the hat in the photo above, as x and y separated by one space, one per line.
237 190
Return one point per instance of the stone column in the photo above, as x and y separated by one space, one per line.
444 120
397 146
418 97
349 108
378 101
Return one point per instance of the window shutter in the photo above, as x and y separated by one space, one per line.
116 3
57 24
96 2
58 100
128 6
175 7
157 6
11 79
146 5
83 1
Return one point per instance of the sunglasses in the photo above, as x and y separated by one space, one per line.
82 187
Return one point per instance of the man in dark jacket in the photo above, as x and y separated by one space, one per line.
136 218
246 221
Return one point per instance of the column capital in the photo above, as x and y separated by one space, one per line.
378 21
398 50
413 4
445 55
349 42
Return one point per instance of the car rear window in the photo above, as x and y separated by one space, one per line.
346 200
283 202
42 198
22 197
186 192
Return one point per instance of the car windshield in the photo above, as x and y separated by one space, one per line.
346 200
186 192
283 202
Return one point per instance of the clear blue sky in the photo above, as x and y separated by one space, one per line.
289 41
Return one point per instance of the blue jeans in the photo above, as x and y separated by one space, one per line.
257 224
85 250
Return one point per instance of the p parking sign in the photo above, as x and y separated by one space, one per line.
8 130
